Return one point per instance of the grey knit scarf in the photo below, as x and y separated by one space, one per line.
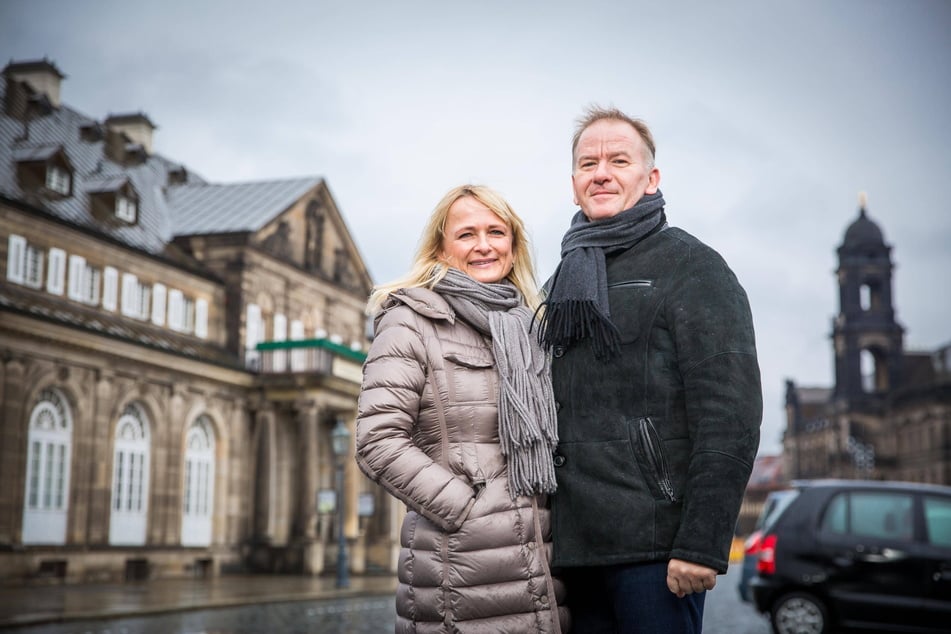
528 429
576 306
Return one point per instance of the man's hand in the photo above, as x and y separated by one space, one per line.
684 577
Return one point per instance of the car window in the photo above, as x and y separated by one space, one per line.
870 514
776 503
938 521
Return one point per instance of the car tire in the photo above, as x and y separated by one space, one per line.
799 613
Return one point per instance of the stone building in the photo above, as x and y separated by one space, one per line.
174 354
888 416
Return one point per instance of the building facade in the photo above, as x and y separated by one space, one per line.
174 354
888 416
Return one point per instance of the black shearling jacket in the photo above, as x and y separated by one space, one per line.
657 444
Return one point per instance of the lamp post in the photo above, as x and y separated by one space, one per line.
340 441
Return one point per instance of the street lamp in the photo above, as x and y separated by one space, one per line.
340 442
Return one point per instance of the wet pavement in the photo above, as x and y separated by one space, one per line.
26 605
262 605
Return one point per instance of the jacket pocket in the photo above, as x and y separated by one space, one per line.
651 458
631 302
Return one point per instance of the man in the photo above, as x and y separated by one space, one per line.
658 389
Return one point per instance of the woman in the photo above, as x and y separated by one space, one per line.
456 419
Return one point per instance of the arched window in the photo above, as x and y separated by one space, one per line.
199 483
130 479
46 502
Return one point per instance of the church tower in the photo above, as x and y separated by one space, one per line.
868 342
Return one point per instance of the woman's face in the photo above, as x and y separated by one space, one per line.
477 242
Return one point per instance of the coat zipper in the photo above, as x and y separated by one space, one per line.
657 458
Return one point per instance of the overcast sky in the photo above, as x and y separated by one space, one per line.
770 117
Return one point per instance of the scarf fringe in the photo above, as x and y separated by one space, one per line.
573 320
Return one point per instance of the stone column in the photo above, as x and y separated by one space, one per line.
352 477
92 443
13 450
263 451
312 549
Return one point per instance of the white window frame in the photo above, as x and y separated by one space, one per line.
135 297
126 208
129 507
57 179
279 357
56 274
158 304
198 485
110 286
253 329
84 281
24 262
201 318
298 355
16 258
46 488
176 310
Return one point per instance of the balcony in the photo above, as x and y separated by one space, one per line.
321 357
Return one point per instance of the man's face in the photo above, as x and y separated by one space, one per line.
611 169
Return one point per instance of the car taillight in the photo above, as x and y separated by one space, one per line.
766 563
752 544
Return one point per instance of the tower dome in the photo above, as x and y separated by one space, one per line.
863 233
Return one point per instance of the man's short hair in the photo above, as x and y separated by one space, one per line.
595 113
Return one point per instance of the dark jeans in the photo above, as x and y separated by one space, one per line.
629 599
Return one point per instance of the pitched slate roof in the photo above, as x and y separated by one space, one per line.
164 210
211 208
91 165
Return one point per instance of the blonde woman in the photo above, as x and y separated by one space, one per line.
456 419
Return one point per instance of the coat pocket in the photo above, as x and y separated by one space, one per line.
631 303
651 458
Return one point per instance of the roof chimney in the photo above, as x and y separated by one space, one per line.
40 75
136 126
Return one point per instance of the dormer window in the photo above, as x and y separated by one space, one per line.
126 209
45 169
113 198
58 180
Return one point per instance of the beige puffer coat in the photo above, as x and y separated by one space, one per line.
472 559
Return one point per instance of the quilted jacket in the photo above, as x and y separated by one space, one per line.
472 560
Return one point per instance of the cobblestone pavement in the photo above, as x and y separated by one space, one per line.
725 613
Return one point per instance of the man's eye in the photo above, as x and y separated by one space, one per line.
620 161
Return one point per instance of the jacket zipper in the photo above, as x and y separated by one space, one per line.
635 283
657 458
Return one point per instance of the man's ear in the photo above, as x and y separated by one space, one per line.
653 181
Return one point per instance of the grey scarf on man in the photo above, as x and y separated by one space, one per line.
576 306
528 429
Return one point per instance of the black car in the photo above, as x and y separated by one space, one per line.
865 555
775 502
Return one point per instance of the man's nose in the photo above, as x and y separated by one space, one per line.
601 172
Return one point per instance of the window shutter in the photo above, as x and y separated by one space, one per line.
252 326
176 310
110 286
280 327
16 258
77 271
158 305
130 284
201 318
56 276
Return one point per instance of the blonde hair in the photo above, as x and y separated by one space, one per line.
428 269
